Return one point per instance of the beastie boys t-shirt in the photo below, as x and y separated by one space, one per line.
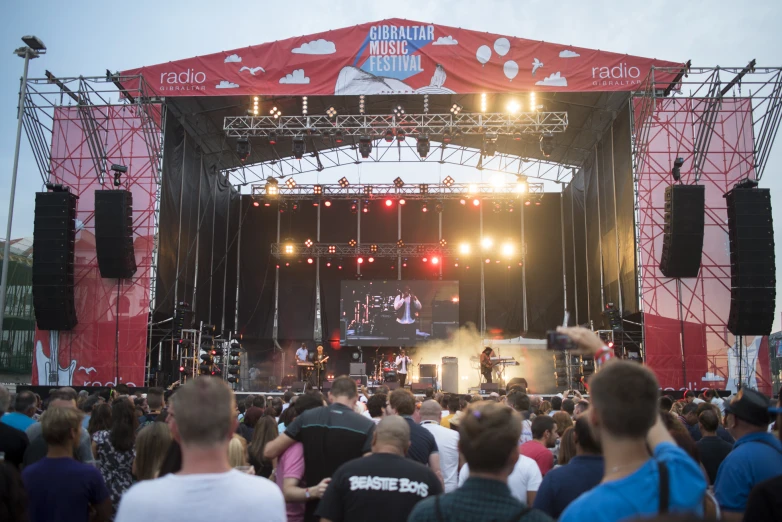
379 487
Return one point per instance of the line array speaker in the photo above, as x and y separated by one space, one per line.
752 261
54 235
683 230
114 233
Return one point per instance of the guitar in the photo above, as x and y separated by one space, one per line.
50 373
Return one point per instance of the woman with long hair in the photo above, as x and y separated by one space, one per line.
265 431
237 451
152 444
100 419
114 449
567 447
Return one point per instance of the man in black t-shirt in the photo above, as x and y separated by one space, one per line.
384 486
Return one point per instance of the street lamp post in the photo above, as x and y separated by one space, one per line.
33 48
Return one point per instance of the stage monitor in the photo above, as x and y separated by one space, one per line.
397 313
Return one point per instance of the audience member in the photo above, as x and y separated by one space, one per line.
556 405
376 407
544 437
13 499
545 408
756 455
423 447
58 487
331 435
24 409
765 502
567 447
523 482
100 419
583 472
246 427
13 442
488 439
447 443
155 403
286 417
203 424
581 408
519 401
666 403
114 449
569 406
689 419
265 432
453 407
87 406
385 480
722 433
626 420
237 452
711 448
152 444
286 399
62 397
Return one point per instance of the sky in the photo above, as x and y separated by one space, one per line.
86 37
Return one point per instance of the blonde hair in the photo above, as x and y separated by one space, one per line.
237 451
152 444
563 421
57 424
204 411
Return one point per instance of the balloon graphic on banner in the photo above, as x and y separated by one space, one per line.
511 69
502 46
483 54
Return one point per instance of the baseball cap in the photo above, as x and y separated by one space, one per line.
750 406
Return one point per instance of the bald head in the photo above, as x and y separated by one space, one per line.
391 432
430 410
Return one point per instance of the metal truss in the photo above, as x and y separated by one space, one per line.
376 125
365 249
421 191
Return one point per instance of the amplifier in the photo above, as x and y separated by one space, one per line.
361 380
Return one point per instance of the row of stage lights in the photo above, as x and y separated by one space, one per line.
486 244
496 206
434 261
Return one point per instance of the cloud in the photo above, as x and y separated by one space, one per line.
234 58
226 85
316 47
567 53
446 40
555 80
297 76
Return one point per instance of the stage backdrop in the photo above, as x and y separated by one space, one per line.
400 57
701 304
90 354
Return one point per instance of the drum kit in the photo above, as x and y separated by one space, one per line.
373 315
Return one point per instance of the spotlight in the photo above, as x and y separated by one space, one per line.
328 264
360 260
527 203
389 203
517 136
361 108
373 249
272 138
423 188
423 146
447 136
425 259
464 248
327 203
365 146
438 207
476 202
426 103
456 109
368 191
389 136
331 112
304 105
424 207
299 147
472 188
339 137
275 113
676 172
400 244
522 186
399 111
343 182
308 243
435 260
354 207
448 181
537 202
490 144
402 201
462 201
508 249
497 207
371 259
510 206
256 203
243 149
332 249
533 105
272 187
400 134
487 243
398 183
483 102
365 207
288 248
443 242
352 243
295 207
317 190
513 107
310 260
547 144
290 183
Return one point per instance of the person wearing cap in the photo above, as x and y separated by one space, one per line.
765 502
756 455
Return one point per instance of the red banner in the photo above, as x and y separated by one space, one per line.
399 57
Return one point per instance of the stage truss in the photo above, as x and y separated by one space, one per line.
418 191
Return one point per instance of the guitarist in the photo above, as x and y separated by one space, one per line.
486 364
320 366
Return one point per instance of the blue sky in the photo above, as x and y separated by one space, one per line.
87 37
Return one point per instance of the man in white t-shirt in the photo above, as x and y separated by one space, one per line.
402 361
523 482
204 423
447 443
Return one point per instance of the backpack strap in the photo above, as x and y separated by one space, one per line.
664 487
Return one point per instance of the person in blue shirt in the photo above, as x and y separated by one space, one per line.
756 455
302 355
24 409
563 484
625 418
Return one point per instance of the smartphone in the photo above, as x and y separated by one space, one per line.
559 342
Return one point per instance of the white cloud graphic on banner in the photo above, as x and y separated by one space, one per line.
567 53
226 85
234 58
297 76
316 47
252 70
446 40
555 80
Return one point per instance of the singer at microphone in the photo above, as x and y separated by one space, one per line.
402 362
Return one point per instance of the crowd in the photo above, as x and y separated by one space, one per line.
195 454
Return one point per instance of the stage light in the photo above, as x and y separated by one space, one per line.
339 137
423 146
424 207
423 188
447 135
537 202
508 249
272 138
472 188
373 249
490 144
331 112
497 207
527 203
368 191
487 243
389 136
676 171
299 147
328 264
332 249
267 203
389 202
438 207
290 183
398 182
343 182
522 186
510 206
294 207
308 243
456 109
365 146
352 242
243 149
288 248
464 248
283 207
443 242
547 144
304 105
339 267
448 181
272 187
513 107
435 260
483 102
317 189
256 203
371 259
488 261
425 260
497 180
421 249
365 207
399 111
400 244
610 344
275 113
532 102
426 104
310 260
354 207
517 136
360 260
327 203
402 201
400 134
476 202
361 108
462 201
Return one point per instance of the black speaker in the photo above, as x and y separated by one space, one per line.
54 236
420 387
752 261
683 230
489 387
427 370
114 233
298 386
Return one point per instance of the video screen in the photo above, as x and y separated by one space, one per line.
397 313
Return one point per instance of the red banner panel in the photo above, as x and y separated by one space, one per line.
399 57
108 346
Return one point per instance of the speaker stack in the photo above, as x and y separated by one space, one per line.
752 261
54 237
114 233
683 231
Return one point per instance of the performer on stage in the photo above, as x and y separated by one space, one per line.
486 364
302 354
320 367
405 305
402 361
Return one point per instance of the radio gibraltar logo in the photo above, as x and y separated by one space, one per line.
188 80
620 74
